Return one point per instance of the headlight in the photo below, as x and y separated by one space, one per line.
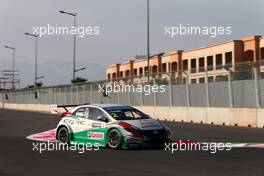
169 132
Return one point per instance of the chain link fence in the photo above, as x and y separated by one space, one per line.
241 85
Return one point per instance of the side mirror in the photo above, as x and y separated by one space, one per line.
102 118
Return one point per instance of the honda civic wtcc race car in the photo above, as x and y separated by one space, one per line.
111 125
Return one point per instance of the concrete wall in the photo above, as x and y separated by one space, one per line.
27 107
228 116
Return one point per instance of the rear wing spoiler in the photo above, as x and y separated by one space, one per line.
54 107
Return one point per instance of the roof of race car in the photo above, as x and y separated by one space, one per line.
109 105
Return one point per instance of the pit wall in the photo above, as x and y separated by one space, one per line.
247 117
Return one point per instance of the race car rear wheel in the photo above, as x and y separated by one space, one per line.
114 139
63 135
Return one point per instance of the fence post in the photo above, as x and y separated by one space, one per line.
128 97
65 96
141 97
91 93
99 94
84 96
154 97
170 92
72 99
118 97
230 91
78 94
256 88
187 89
208 104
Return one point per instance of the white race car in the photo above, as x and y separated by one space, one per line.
111 125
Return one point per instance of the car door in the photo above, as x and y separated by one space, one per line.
97 132
80 124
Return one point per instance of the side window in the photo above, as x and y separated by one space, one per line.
81 112
95 112
129 114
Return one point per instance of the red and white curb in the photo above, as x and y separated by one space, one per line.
247 145
45 136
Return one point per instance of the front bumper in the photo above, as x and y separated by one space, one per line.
147 140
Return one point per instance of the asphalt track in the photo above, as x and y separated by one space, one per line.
18 159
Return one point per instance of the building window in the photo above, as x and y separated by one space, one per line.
164 68
140 71
146 70
109 76
262 53
174 66
201 80
135 72
154 69
185 65
228 59
193 66
219 61
114 76
121 74
210 79
210 63
248 55
127 73
193 81
201 64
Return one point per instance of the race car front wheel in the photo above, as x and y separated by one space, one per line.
114 139
63 135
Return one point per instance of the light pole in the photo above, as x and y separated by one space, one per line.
36 56
13 65
148 42
74 70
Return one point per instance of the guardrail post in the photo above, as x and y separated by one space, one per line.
256 81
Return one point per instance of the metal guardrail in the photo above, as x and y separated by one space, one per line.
238 86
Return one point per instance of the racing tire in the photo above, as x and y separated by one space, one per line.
63 135
114 139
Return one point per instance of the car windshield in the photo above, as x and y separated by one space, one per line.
126 114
